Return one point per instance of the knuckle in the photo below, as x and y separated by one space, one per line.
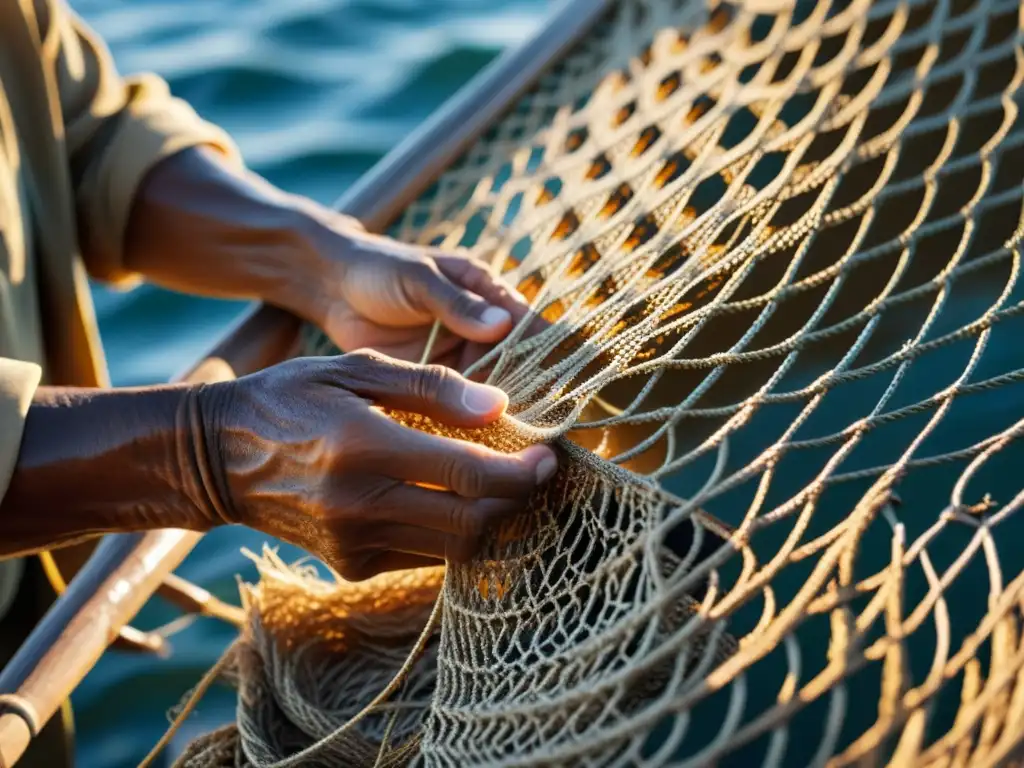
476 276
351 366
430 382
360 358
368 372
458 520
420 271
467 478
465 304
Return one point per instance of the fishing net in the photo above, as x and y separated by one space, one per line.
777 250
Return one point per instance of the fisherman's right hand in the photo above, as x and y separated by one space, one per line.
303 452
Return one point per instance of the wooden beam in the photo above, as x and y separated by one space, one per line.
127 569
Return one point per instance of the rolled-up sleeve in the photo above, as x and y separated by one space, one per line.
116 128
18 382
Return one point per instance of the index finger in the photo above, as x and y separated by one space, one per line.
465 468
474 276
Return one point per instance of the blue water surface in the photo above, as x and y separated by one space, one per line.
314 92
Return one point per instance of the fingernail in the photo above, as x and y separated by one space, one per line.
495 316
546 467
480 398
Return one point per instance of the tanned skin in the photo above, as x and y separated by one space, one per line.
300 450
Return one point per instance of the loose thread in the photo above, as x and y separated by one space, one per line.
386 739
428 348
190 704
389 689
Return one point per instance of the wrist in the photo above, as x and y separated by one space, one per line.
200 226
204 431
314 260
100 461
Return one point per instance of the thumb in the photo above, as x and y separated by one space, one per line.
459 310
431 390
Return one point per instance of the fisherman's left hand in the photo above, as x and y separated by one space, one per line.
383 294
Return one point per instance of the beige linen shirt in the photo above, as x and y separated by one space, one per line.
76 139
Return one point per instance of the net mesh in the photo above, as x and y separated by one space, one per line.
777 246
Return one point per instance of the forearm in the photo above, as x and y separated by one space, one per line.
199 226
101 461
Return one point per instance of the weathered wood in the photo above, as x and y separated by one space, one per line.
127 569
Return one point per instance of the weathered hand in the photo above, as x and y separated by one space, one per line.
200 226
302 452
385 295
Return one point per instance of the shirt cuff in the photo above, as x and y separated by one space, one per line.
18 383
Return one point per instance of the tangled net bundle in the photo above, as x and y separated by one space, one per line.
777 247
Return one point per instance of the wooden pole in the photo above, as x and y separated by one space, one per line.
126 569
